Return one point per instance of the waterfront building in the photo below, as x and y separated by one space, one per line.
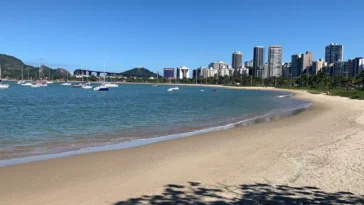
237 60
212 72
358 66
218 65
183 72
286 70
339 69
248 64
334 53
266 71
203 72
317 66
307 59
296 65
258 61
196 73
168 73
275 61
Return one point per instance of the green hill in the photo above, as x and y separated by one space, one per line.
13 67
139 72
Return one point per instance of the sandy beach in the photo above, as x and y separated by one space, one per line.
314 156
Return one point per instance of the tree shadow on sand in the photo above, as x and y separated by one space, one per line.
195 193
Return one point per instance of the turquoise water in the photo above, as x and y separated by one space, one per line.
56 119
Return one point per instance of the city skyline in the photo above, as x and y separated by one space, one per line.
68 35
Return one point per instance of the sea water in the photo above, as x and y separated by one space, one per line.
59 120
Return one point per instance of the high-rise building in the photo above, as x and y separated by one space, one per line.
275 61
334 53
349 67
317 66
358 65
258 58
258 61
183 72
339 69
218 65
266 71
286 70
212 72
307 59
196 73
237 60
168 73
202 71
296 65
248 64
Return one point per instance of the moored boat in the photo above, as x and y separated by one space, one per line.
85 86
111 85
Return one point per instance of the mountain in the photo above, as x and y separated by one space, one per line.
13 67
139 72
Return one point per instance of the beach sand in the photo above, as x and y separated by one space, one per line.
315 155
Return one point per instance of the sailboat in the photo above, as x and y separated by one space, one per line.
156 85
102 87
66 82
87 85
173 88
38 83
49 77
22 79
3 86
26 83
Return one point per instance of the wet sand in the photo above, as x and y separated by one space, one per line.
321 147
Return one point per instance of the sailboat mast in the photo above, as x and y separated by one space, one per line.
39 72
104 73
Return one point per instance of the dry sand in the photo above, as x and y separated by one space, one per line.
307 157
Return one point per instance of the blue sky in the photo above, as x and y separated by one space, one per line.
169 33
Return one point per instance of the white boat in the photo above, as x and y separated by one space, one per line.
3 86
111 85
85 86
35 85
172 89
66 83
43 84
26 84
102 87
49 82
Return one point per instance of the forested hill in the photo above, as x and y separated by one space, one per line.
13 68
139 72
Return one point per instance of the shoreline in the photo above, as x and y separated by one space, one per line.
108 146
262 118
314 148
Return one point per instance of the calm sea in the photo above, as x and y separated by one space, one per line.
60 119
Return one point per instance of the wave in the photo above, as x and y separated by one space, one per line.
284 96
266 117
